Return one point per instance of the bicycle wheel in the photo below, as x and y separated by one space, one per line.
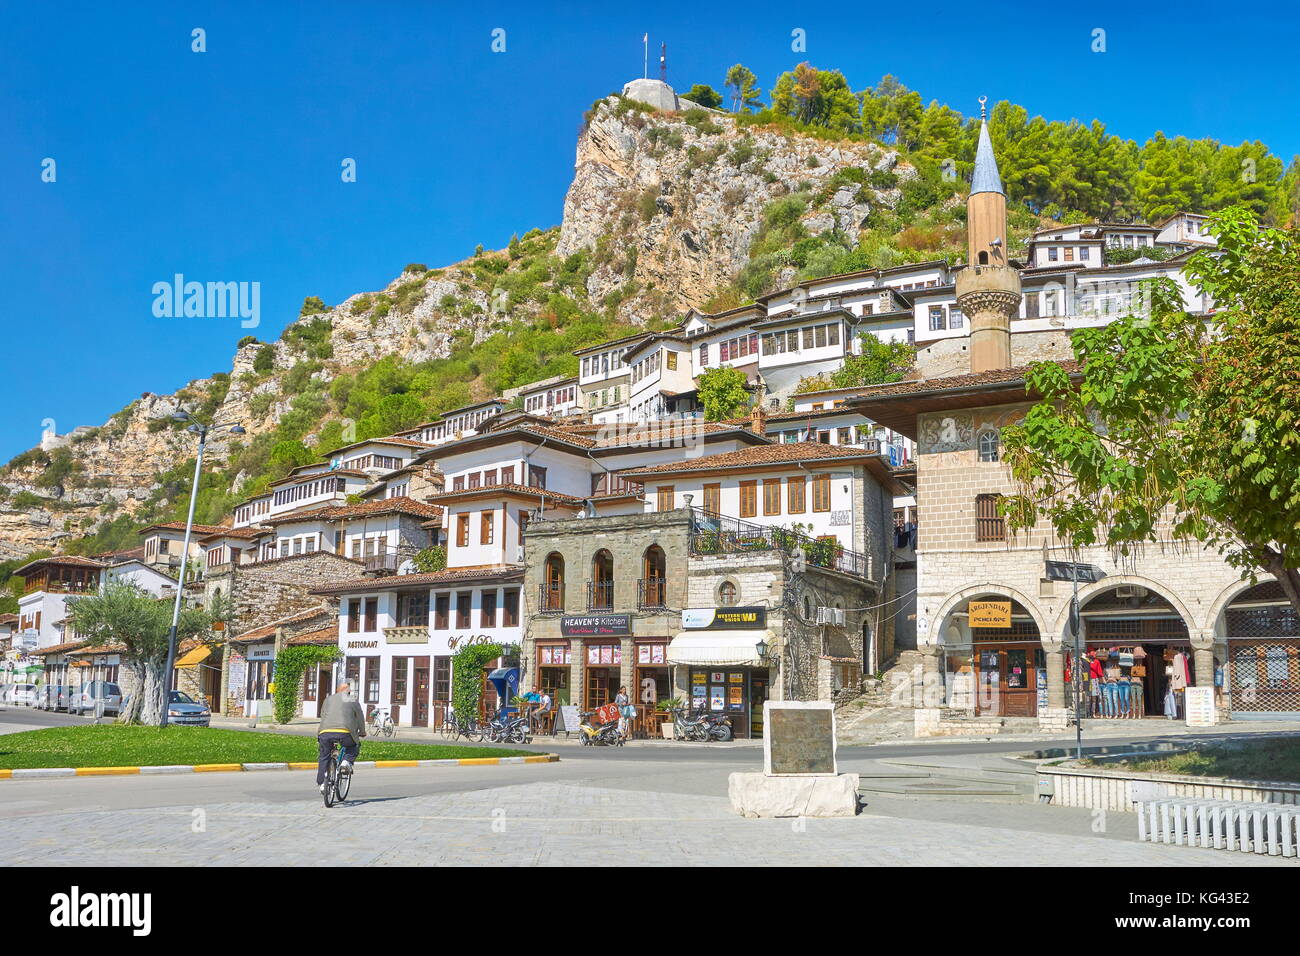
344 784
390 728
448 728
331 779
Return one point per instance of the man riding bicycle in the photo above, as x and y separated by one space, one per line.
341 722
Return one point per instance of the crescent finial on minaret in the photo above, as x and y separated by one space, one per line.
984 113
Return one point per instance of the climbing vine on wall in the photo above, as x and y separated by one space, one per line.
467 675
290 664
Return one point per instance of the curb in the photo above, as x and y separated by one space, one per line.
236 767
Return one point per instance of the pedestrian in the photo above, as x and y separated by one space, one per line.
626 713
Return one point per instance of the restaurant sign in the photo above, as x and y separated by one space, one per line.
596 625
989 613
723 618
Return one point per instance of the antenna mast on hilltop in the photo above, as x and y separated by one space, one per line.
663 62
645 59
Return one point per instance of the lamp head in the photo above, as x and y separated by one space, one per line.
237 430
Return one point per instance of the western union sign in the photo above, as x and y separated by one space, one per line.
989 613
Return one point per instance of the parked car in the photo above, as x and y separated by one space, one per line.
184 709
86 698
47 697
65 696
24 694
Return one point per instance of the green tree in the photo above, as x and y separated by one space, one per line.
126 615
745 94
1175 429
264 360
312 305
704 95
722 392
818 98
876 363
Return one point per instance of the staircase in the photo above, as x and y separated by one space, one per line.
988 777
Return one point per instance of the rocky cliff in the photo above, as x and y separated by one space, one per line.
661 215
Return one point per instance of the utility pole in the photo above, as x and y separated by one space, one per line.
645 56
1076 629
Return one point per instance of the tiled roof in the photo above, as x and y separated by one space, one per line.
180 526
57 648
268 630
997 376
486 572
515 489
67 560
122 554
346 472
248 532
755 456
398 505
326 635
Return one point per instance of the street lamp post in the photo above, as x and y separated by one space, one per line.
202 431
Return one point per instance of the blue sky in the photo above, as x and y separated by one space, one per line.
225 165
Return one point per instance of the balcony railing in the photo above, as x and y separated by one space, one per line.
650 592
713 534
382 562
550 598
600 595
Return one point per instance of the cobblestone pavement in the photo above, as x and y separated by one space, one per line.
571 813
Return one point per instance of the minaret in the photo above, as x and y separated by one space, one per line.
988 289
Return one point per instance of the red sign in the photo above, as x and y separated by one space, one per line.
607 714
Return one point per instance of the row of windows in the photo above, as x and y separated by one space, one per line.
648 366
811 337
651 590
1085 253
413 610
945 317
558 396
386 462
795 496
246 513
601 364
310 489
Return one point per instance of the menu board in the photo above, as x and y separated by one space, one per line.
1200 706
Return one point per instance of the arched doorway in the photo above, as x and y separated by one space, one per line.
1263 641
995 671
1142 650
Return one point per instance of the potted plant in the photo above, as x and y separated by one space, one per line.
669 706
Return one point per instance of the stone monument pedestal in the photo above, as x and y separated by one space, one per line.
761 795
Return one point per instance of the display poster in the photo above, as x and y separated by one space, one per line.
717 698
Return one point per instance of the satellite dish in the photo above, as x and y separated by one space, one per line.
407 567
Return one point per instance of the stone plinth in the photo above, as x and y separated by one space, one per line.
760 795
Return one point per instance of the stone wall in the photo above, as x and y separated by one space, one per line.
266 591
951 356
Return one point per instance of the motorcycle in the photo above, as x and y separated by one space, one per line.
687 726
599 735
509 730
719 727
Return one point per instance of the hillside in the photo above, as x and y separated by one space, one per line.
694 208
661 216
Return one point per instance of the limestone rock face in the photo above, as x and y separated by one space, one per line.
681 201
758 795
668 197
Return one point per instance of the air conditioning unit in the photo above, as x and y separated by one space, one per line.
1131 591
830 615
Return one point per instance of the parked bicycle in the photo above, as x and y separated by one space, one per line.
337 781
454 727
381 722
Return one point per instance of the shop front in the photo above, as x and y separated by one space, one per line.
1000 671
1140 659
721 652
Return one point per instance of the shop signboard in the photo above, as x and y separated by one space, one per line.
989 613
1200 706
566 719
798 738
596 625
723 618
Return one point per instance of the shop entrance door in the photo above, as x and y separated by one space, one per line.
602 685
420 715
1007 681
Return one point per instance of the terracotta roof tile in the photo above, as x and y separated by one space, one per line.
398 505
489 490
488 572
997 376
326 635
268 630
180 526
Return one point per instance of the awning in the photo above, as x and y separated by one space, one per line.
718 647
195 656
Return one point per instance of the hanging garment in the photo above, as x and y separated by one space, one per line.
1171 704
1179 681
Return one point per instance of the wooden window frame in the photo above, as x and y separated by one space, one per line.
796 494
462 531
713 498
771 496
748 499
487 527
989 525
821 496
665 497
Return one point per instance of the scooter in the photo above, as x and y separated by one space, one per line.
599 735
719 726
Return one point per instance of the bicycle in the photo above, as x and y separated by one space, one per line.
456 727
381 722
337 783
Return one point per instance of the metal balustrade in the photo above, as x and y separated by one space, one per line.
713 534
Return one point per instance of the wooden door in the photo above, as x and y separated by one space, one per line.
420 713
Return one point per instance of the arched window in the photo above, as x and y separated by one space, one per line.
654 567
988 444
984 258
552 598
600 596
727 594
